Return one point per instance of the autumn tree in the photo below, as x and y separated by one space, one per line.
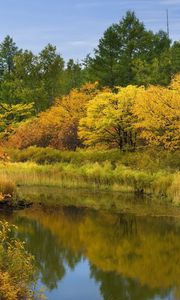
158 112
109 120
57 126
175 82
11 117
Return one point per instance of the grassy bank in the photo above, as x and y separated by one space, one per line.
108 175
145 172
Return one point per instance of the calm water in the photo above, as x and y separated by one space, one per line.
83 254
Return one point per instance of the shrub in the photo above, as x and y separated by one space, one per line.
151 160
17 271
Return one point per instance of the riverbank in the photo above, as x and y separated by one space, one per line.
140 173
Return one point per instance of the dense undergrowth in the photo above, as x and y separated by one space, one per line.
151 160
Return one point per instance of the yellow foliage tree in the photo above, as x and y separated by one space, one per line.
57 127
107 118
175 83
158 112
110 120
12 115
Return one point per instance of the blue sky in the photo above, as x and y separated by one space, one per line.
75 26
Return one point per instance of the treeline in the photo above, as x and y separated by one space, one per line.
126 118
123 96
26 78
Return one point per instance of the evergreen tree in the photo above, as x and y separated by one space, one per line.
8 50
122 46
175 57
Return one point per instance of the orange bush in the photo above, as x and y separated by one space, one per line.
56 127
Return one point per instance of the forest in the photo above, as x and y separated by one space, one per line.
126 95
116 115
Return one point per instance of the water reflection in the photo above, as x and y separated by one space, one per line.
129 257
116 287
51 256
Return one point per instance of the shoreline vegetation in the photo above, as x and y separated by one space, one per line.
141 173
17 271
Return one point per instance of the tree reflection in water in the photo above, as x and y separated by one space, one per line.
130 257
51 258
115 287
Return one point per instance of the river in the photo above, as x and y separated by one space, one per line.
86 254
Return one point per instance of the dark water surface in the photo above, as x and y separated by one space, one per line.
83 254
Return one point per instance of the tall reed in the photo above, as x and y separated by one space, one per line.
95 176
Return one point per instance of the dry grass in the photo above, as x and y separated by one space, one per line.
93 176
7 186
174 190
